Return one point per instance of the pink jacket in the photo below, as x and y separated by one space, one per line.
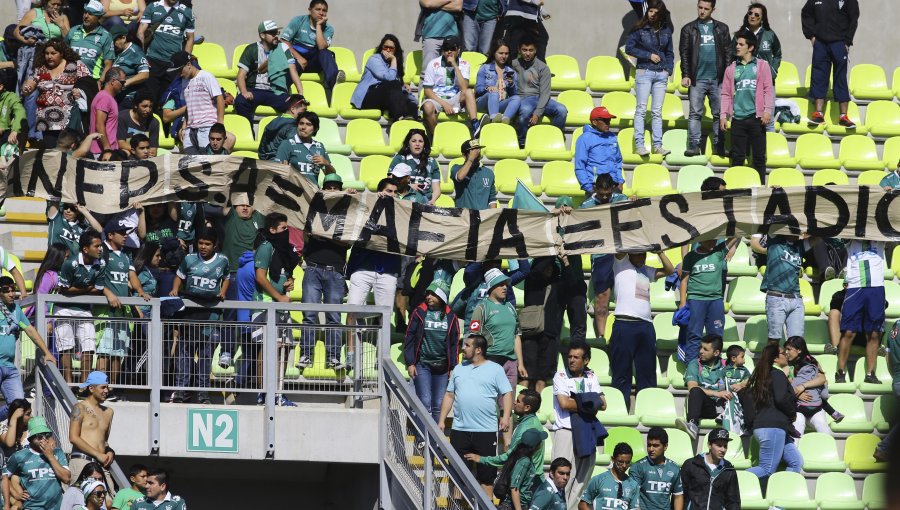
765 90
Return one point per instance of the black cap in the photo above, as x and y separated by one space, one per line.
468 145
118 31
718 434
116 226
451 43
179 60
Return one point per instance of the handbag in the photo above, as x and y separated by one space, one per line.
531 318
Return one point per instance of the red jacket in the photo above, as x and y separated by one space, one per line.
765 90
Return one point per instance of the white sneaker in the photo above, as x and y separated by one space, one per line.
642 151
303 362
225 360
662 151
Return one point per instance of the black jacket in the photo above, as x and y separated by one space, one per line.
828 22
689 49
781 411
695 479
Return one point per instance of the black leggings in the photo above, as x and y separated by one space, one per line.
390 96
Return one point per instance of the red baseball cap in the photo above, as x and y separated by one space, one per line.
601 112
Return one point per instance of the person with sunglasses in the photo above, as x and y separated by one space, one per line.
104 112
381 86
73 497
94 494
266 71
40 468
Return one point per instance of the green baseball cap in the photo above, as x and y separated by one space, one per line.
439 288
37 425
334 177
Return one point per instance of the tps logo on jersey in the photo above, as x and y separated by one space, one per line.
475 326
86 52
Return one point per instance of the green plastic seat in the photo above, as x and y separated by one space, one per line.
681 448
788 490
412 68
558 179
833 114
741 263
367 138
809 299
858 454
330 135
566 73
883 118
674 84
242 131
662 300
546 413
828 362
690 177
672 112
829 175
448 138
741 177
212 58
778 154
827 290
731 336
230 87
314 92
784 177
756 333
676 140
236 57
884 410
820 453
579 105
666 335
656 408
854 411
600 365
622 435
744 296
815 332
814 151
399 131
501 141
372 169
837 491
506 173
651 180
165 141
675 371
858 152
622 105
881 371
616 413
340 101
344 167
751 493
788 84
869 81
806 110
604 73
546 143
873 491
626 146
892 295
870 178
346 61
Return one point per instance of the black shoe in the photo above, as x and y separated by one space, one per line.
474 127
840 377
692 151
871 379
721 152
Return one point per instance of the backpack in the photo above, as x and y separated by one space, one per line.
504 477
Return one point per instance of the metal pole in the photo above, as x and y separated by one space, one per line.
155 366
270 373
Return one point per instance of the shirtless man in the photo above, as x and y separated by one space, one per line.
89 427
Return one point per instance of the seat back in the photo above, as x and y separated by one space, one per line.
328 133
822 177
506 171
868 76
346 61
372 169
544 137
654 401
813 145
564 67
690 177
777 145
649 179
621 104
741 177
500 136
604 68
836 487
786 177
212 58
626 435
818 447
400 129
787 485
870 177
364 132
449 137
858 147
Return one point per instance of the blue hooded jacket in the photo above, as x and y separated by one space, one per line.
597 153
246 283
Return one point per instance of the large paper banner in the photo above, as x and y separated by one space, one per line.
386 224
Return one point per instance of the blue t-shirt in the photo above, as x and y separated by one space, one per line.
476 389
12 322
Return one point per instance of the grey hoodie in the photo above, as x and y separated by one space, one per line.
534 81
805 374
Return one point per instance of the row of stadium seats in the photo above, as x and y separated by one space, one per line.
601 73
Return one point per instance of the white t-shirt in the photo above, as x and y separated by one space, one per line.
633 289
199 96
442 80
7 262
865 264
564 385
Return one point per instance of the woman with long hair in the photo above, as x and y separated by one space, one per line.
650 42
48 18
809 385
56 69
47 276
769 47
381 86
495 87
14 437
74 498
776 409
416 152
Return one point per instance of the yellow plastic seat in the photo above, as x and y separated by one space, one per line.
243 132
858 152
501 141
868 81
741 177
672 112
475 60
261 126
340 101
344 167
372 169
858 454
806 110
558 179
650 180
871 178
244 154
675 82
212 58
604 74
787 84
367 138
676 140
786 177
692 176
833 114
891 153
777 152
814 151
506 173
314 92
827 175
622 105
566 73
346 61
546 143
412 68
883 118
399 131
626 145
330 136
448 139
579 104
447 186
165 141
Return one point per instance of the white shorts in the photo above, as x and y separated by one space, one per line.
66 331
453 101
201 135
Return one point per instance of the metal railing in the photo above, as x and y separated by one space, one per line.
416 455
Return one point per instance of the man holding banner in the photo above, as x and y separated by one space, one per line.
474 183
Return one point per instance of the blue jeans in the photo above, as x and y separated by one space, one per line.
555 111
30 103
784 312
326 287
477 35
490 102
774 446
11 387
246 108
320 61
648 81
698 92
704 314
430 388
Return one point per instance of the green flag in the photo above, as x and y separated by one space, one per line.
525 199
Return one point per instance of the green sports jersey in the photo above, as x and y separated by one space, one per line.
477 190
745 90
499 324
604 492
706 63
261 260
300 154
203 278
12 322
434 348
133 61
239 235
709 376
487 10
169 503
734 375
415 196
784 259
115 272
522 479
187 215
126 498
526 422
422 178
148 281
65 232
704 272
439 24
891 180
250 59
75 273
37 477
657 482
172 29
546 496
94 48
278 130
300 31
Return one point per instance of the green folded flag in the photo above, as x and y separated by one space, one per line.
525 199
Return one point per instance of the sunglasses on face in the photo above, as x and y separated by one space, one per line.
752 14
44 435
7 290
100 494
389 48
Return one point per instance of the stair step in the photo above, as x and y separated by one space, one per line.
31 218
